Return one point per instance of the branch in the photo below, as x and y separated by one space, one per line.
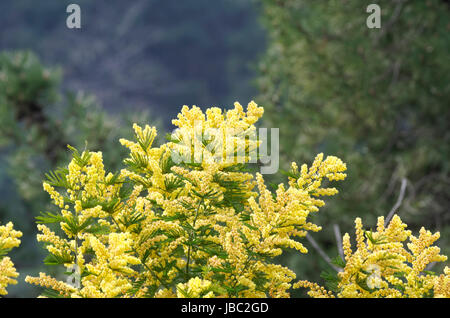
395 15
322 253
398 203
337 234
130 17
189 248
430 266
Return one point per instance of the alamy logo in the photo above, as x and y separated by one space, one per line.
374 19
73 21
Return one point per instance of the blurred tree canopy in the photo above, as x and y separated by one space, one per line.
377 98
145 53
37 122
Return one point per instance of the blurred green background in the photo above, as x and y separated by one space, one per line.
377 98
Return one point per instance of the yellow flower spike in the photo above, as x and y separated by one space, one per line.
360 244
315 290
49 282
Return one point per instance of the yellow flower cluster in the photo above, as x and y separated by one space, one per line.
442 284
382 266
217 139
9 238
103 258
110 269
195 288
165 227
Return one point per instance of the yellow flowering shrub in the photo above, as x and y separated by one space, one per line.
9 238
193 224
388 262
190 219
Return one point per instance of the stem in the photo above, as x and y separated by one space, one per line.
189 247
322 253
154 274
117 224
337 234
398 203
77 270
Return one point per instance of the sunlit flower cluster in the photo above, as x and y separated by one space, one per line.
9 238
389 262
195 288
217 139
